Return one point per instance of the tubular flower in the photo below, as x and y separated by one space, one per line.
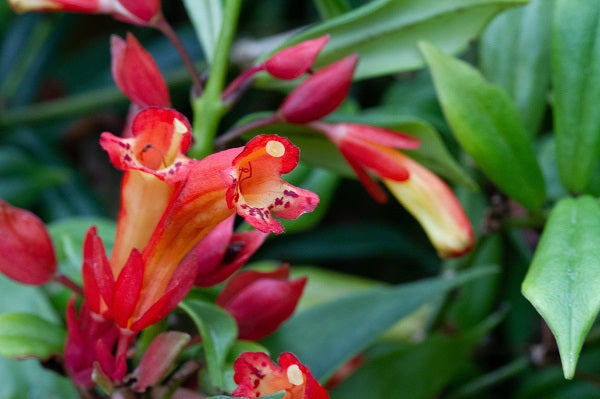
131 11
27 252
421 192
257 376
260 302
136 74
153 278
292 62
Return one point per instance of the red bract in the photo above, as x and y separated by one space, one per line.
136 74
257 376
296 60
136 12
221 253
27 252
260 302
421 192
320 94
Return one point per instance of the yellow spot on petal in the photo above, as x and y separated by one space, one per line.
294 374
275 148
180 127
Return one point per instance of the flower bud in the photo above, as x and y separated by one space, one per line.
260 302
27 252
321 93
292 62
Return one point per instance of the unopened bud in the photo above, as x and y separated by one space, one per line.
296 60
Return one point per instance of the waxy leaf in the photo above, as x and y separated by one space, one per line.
564 276
218 331
27 335
206 16
515 54
487 125
374 311
576 82
385 32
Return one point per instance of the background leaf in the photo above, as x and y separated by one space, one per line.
487 125
27 335
564 275
206 16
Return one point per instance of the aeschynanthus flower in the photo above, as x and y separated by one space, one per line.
421 192
257 376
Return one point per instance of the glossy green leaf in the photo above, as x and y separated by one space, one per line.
27 335
487 125
206 16
515 55
385 32
68 236
218 330
563 279
355 321
26 379
31 300
328 9
576 82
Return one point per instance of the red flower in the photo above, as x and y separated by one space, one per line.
27 252
260 302
136 74
292 62
257 376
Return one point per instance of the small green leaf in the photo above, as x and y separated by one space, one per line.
218 330
27 335
374 311
563 279
515 54
206 16
385 32
576 82
487 125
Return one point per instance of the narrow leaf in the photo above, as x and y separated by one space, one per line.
26 335
206 16
487 125
515 54
385 32
355 321
563 279
576 82
218 331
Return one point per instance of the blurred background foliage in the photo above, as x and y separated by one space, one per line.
483 340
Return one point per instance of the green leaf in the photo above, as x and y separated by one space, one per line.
23 178
374 311
277 395
563 279
385 32
328 9
576 82
218 330
30 300
68 236
487 125
26 379
207 17
515 55
27 335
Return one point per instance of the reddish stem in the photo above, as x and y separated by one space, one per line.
238 83
68 283
234 133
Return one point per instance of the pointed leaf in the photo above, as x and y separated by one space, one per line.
374 310
515 54
385 32
218 331
206 16
576 82
27 335
487 125
563 279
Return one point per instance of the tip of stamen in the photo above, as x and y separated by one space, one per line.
180 127
294 374
275 148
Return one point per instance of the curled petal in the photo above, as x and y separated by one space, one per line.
256 189
436 208
296 60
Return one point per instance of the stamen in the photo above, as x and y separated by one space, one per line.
294 374
179 126
275 148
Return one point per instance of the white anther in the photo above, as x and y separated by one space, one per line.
275 148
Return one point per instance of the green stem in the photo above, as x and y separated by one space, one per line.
209 109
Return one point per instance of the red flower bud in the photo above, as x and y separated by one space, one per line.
320 94
260 302
294 61
27 252
136 73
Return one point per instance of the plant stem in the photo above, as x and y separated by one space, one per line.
234 133
169 32
68 283
209 109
